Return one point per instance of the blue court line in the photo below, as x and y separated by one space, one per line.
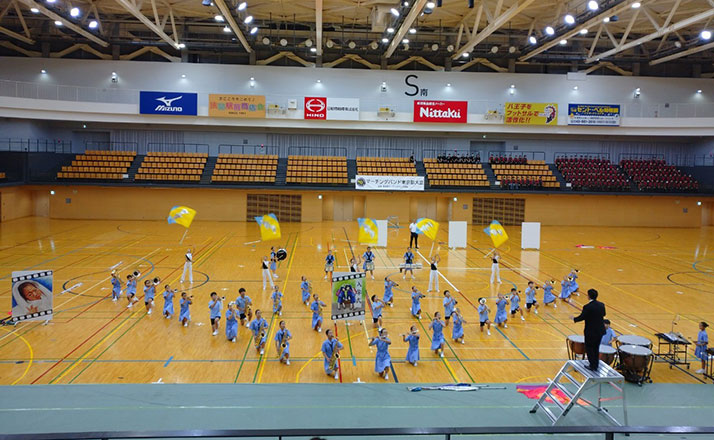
394 373
168 361
514 345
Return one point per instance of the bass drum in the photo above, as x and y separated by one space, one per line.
281 254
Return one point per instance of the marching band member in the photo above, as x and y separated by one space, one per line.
388 297
305 288
516 304
185 313
574 287
282 343
531 300
131 290
548 297
609 333
701 350
457 331
382 360
273 262
434 273
449 304
408 261
277 297
565 290
232 322
416 302
215 305
264 267
437 339
329 264
188 267
495 270
483 316
331 347
316 308
377 307
168 302
501 315
243 303
413 339
149 293
116 286
368 265
258 326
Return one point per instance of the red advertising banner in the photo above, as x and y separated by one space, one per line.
315 108
441 111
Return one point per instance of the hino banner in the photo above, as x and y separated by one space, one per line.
441 111
390 183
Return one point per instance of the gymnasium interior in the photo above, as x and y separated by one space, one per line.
207 146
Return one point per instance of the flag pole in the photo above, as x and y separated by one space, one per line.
184 236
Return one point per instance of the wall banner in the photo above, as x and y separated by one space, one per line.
531 113
390 183
594 114
168 103
236 106
441 111
331 109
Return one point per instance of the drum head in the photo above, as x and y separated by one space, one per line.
606 349
577 338
634 340
635 350
281 254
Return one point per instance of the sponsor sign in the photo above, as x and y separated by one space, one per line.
390 183
593 114
236 106
441 111
168 103
315 108
531 113
331 109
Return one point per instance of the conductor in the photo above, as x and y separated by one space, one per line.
593 313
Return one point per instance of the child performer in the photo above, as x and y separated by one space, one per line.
501 315
316 308
243 303
457 332
329 263
264 267
434 274
232 318
185 312
548 297
565 290
277 297
377 307
116 286
516 304
408 261
483 316
131 290
574 287
168 302
701 350
273 262
215 305
495 270
609 333
368 265
416 302
413 339
305 288
331 347
382 360
388 297
258 326
149 293
531 300
282 343
437 339
449 304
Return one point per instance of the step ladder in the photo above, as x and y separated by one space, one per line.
576 374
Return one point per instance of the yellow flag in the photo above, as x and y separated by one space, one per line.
428 227
368 231
497 233
269 227
181 215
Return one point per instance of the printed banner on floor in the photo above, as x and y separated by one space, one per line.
531 113
349 290
31 295
594 114
390 183
236 106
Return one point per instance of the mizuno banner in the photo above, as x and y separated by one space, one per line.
168 103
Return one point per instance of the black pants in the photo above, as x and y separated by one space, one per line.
415 239
593 352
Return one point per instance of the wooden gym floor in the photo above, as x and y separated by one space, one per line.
645 276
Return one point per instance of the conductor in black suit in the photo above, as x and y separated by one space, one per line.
593 314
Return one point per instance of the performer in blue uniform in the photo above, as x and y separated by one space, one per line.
388 297
131 290
116 286
305 289
277 297
368 258
437 339
382 360
548 296
168 302
416 302
483 316
565 290
457 332
702 343
377 307
149 294
282 343
329 264
449 304
531 301
574 287
516 304
331 346
215 305
501 315
185 312
232 319
609 333
408 261
243 304
258 326
413 339
316 308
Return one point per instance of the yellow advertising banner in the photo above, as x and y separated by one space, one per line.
236 106
531 113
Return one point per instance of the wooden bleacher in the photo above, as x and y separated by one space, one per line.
182 167
455 174
534 169
259 168
385 166
317 169
98 164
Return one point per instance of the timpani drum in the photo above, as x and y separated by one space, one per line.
635 363
607 354
634 340
576 346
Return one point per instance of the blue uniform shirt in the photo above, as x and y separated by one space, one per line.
215 307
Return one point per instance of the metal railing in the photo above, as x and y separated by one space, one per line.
111 146
607 432
179 147
248 149
317 151
530 155
35 145
384 152
434 152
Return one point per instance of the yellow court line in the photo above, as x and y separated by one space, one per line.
319 353
523 379
32 355
272 327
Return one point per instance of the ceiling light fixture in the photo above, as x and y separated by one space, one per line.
532 39
593 5
430 5
405 41
412 31
705 34
583 31
390 30
385 40
226 29
549 30
242 6
606 20
219 18
74 12
563 42
248 19
569 19
34 10
254 30
93 24
636 5
394 12
58 23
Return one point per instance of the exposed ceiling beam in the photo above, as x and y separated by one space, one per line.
682 53
66 23
492 27
16 36
136 12
318 26
226 11
671 28
404 28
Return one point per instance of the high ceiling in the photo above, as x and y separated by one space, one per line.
625 37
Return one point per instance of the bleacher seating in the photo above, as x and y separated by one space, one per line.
533 174
258 168
385 166
317 169
656 175
591 174
182 167
455 174
97 164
